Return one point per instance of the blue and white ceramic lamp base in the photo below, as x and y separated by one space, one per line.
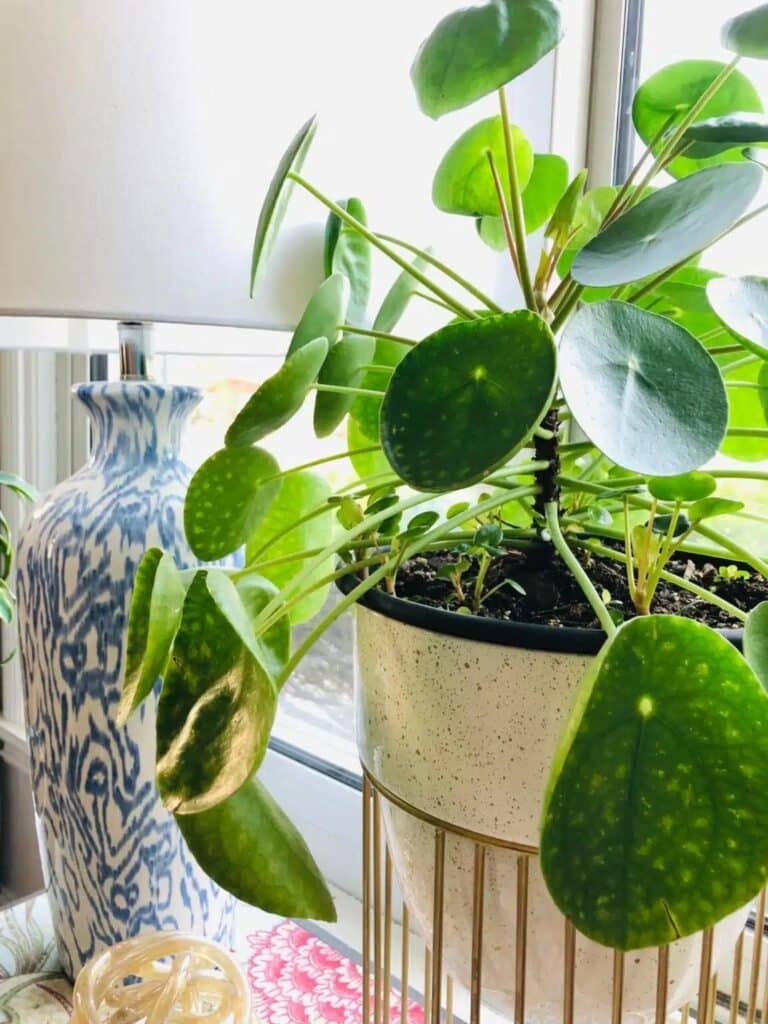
117 862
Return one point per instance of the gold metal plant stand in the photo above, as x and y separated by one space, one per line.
709 1007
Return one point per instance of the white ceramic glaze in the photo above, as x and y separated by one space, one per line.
465 731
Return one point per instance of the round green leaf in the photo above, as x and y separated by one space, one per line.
397 298
676 88
326 311
366 409
709 508
226 498
463 181
155 614
299 494
548 182
251 849
719 134
215 710
756 642
684 487
343 367
466 398
642 389
352 258
741 303
668 739
748 407
367 463
747 33
491 231
277 197
669 226
280 397
476 50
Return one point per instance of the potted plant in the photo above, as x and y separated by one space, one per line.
23 490
550 653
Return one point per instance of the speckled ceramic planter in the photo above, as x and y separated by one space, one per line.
460 717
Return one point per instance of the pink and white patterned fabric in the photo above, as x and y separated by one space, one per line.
296 978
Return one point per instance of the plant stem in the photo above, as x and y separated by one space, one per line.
504 210
376 240
743 384
449 272
738 474
747 432
738 363
669 577
722 350
342 389
433 300
518 217
382 335
581 577
566 307
731 545
618 203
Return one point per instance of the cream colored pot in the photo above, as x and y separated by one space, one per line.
459 717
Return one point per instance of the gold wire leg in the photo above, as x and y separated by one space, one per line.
449 1000
712 999
569 978
377 915
387 934
736 981
366 900
521 937
617 999
437 926
705 974
478 897
662 981
685 1014
754 977
404 966
427 983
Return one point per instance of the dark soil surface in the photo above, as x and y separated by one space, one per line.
545 592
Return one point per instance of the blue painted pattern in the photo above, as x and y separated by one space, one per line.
117 862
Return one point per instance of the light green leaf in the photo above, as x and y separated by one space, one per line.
352 258
367 463
7 603
277 197
756 642
747 33
18 486
154 617
674 90
463 181
488 380
300 494
708 508
748 407
741 304
548 183
215 710
476 50
685 487
491 231
325 313
263 860
564 220
227 497
629 375
255 593
669 226
668 739
279 398
397 298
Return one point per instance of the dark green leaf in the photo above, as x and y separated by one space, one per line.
279 398
215 710
642 389
227 497
421 523
685 487
155 614
548 183
343 366
756 642
463 181
719 134
669 226
668 739
673 91
488 380
489 535
741 303
249 847
662 523
325 313
748 407
747 33
18 486
352 258
276 199
476 50
300 493
708 508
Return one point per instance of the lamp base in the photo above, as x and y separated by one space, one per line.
117 862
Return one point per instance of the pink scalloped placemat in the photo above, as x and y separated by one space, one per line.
298 978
